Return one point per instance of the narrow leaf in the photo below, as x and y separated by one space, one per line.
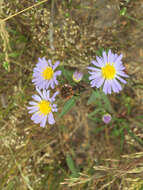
94 96
68 105
71 165
14 54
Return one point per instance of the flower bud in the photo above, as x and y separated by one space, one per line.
106 118
77 76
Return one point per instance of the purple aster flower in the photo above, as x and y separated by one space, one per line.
106 118
77 76
45 75
42 107
108 71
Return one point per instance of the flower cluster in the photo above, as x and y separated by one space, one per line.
44 76
107 71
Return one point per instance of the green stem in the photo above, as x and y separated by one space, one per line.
134 19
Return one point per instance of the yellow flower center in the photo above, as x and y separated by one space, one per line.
108 71
48 73
44 107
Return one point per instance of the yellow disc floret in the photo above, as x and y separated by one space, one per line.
48 73
108 71
44 107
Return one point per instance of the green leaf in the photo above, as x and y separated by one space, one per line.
99 98
94 96
6 65
123 11
71 165
67 106
14 54
99 129
10 185
67 15
95 112
100 51
86 77
122 140
107 104
117 132
22 38
139 117
66 73
141 188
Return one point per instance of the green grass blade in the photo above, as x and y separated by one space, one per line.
71 166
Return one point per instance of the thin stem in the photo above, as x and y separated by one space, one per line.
134 19
51 32
107 135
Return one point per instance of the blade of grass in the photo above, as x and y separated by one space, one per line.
71 166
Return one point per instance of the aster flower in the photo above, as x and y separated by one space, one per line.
42 107
77 76
106 118
44 74
108 71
